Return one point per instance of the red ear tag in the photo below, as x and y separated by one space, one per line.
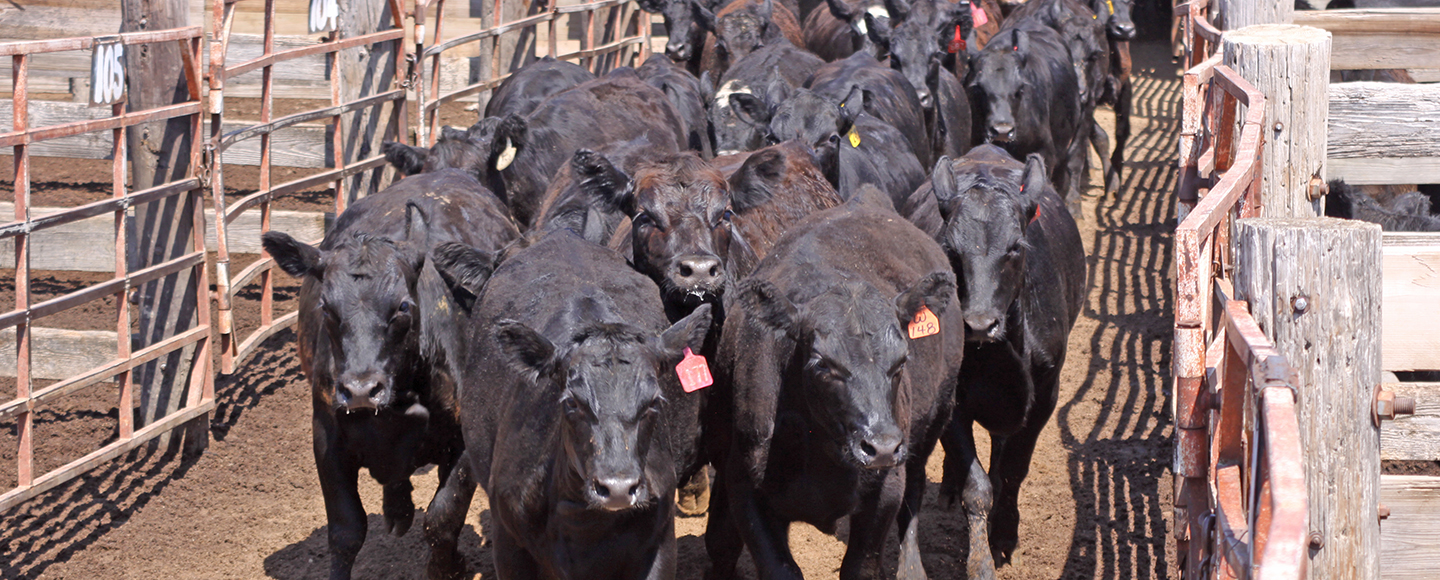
978 15
693 372
1036 216
957 43
925 324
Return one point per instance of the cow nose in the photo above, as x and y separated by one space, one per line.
882 449
982 326
360 393
1002 132
617 492
677 50
1124 30
925 99
698 271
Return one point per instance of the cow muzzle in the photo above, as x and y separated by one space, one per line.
1000 133
678 51
1122 30
697 274
879 447
617 493
361 392
984 328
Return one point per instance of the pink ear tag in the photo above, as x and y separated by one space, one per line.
693 372
978 15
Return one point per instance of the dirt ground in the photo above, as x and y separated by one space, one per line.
1096 504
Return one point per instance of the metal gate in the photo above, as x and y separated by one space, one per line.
26 225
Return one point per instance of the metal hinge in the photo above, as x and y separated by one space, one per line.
412 72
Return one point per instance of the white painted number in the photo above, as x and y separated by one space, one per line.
107 72
324 14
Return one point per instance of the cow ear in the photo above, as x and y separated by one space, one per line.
707 87
841 10
1035 178
770 307
652 6
704 18
777 90
934 291
751 110
688 332
603 182
296 258
853 104
898 9
827 159
765 11
755 182
874 28
417 226
406 159
448 133
465 269
741 259
942 180
510 137
527 351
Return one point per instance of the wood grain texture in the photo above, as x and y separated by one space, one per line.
1333 346
1371 119
57 353
1237 14
1410 537
1379 38
1384 171
1413 436
1412 302
1291 65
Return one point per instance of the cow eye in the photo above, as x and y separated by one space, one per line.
1014 249
654 408
572 407
641 220
727 215
404 307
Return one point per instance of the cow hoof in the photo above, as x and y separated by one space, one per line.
693 499
398 525
1112 184
950 493
399 514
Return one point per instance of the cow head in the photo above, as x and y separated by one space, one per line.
986 213
1089 51
462 149
686 22
734 130
918 41
851 345
367 310
1115 15
997 85
741 32
611 399
799 114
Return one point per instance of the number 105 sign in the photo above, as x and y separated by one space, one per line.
107 71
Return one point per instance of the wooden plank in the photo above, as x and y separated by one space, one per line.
1413 436
1410 537
1379 38
88 245
1412 293
57 353
305 145
1332 343
1237 14
1384 171
1390 120
1425 75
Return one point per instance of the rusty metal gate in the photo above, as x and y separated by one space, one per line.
26 225
1240 494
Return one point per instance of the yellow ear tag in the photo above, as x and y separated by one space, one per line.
506 157
854 137
1111 5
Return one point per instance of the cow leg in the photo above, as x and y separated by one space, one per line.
1075 165
693 498
964 477
1100 142
722 538
344 514
446 516
662 565
1122 115
1010 464
869 526
398 506
511 560
766 535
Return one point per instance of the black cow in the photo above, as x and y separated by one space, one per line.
685 37
829 409
570 202
372 310
1410 214
759 70
526 88
453 149
743 26
574 421
1120 28
685 95
522 153
869 152
888 96
841 30
1026 98
1021 269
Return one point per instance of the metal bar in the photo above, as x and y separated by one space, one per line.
104 454
314 49
93 209
305 183
20 76
515 25
265 128
119 286
19 137
495 82
259 336
337 135
30 47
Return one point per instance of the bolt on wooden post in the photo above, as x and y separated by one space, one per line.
1291 65
1313 285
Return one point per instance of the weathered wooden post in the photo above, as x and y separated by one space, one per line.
1237 14
366 71
1313 285
1291 65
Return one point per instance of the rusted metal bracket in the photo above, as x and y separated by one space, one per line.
1317 188
412 72
205 172
1388 406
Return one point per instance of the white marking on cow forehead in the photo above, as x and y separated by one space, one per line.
878 11
722 96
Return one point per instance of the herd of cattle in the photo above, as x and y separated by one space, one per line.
607 284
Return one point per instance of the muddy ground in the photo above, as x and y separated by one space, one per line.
1096 504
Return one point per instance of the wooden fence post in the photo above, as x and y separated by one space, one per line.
1291 65
1237 14
1313 285
365 71
159 154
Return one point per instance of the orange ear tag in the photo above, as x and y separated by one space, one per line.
925 324
694 373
